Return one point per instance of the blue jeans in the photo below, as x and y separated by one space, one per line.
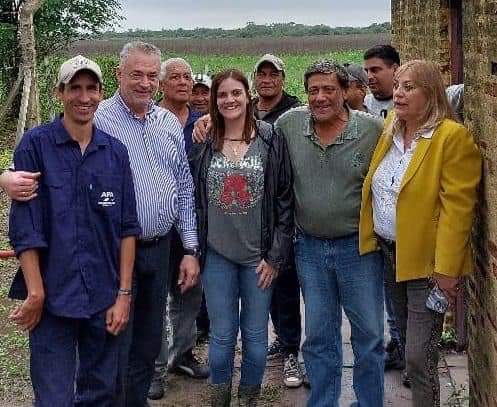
226 285
333 275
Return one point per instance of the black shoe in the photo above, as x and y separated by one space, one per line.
202 337
394 358
189 365
391 345
406 381
156 390
275 350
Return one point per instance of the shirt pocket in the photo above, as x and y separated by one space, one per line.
106 195
58 190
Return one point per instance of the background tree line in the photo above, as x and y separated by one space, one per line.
251 30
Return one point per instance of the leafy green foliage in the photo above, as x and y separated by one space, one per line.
5 159
7 56
57 24
449 338
60 22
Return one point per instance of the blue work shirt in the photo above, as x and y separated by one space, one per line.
193 116
85 206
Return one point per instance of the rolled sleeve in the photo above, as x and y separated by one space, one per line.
130 224
26 229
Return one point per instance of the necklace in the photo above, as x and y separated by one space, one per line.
235 147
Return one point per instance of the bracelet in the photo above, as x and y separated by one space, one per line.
124 291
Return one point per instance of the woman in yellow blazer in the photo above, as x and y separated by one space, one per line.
417 207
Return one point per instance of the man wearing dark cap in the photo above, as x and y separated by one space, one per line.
76 244
358 87
271 102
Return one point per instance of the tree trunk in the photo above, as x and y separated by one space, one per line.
11 97
29 115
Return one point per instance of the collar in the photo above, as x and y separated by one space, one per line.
62 136
348 133
151 108
398 140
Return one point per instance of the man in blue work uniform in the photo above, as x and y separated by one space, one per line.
76 245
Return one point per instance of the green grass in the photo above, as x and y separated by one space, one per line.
5 159
295 67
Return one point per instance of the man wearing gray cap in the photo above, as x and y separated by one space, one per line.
76 244
358 87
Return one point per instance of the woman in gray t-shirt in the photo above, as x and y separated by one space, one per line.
244 194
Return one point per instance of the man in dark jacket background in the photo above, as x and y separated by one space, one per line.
271 102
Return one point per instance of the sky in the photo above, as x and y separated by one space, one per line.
172 14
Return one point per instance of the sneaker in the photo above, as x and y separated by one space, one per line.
292 372
189 365
275 351
156 390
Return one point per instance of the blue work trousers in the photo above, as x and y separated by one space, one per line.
73 362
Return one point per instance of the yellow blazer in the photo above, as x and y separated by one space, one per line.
435 204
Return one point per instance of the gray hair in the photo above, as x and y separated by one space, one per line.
171 61
140 46
325 66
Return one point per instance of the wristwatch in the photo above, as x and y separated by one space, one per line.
192 251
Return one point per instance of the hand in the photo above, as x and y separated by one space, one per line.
201 128
20 185
189 269
267 274
448 285
117 316
28 314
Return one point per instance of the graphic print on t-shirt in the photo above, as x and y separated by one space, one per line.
235 187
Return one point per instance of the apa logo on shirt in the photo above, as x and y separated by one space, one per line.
107 199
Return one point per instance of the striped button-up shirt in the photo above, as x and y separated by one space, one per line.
162 179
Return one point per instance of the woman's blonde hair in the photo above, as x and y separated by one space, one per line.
426 75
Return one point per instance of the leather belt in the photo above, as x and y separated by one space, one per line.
387 243
149 242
